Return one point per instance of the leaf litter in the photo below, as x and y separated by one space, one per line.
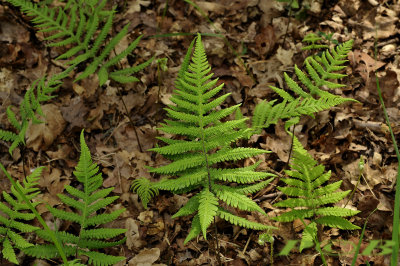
256 30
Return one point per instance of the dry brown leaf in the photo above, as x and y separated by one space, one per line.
41 136
132 234
75 113
54 181
146 257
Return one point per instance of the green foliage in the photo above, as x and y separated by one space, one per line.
16 215
308 196
311 98
313 42
144 188
29 108
206 140
75 25
87 204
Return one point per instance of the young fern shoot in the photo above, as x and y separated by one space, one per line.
197 116
86 203
308 197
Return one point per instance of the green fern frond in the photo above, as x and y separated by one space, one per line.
307 198
313 42
240 221
207 140
75 26
8 135
190 207
237 200
250 189
39 92
311 97
15 215
208 206
309 236
143 187
86 203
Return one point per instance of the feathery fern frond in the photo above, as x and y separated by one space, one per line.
16 214
143 187
313 42
207 139
87 203
321 71
75 25
307 199
29 109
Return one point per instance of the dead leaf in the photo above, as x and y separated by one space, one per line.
54 181
146 257
75 113
133 239
265 41
41 136
285 56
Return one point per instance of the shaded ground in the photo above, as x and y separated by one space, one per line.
256 29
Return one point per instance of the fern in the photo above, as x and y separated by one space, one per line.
313 42
75 25
197 116
40 91
16 215
308 196
311 97
87 203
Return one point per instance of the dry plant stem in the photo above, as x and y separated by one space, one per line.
287 27
354 190
216 246
271 259
130 119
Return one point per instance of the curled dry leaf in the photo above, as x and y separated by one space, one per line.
41 136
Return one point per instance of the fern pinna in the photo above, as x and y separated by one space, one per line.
311 98
75 25
15 216
87 204
308 197
198 117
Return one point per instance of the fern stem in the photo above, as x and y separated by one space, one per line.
38 216
216 246
316 242
291 147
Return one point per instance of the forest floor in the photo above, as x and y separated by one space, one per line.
268 40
